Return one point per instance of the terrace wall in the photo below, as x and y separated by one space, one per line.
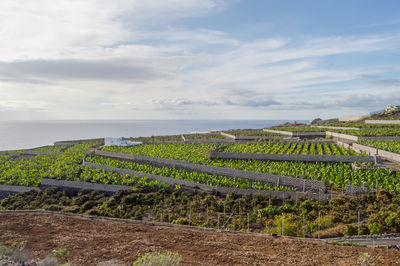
290 157
299 184
6 191
384 122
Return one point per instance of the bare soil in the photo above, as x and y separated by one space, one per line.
92 240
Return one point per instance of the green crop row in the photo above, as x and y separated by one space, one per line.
357 125
51 148
178 137
370 132
304 148
68 166
251 132
389 145
104 177
203 178
298 129
335 175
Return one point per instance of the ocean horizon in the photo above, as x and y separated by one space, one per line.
29 134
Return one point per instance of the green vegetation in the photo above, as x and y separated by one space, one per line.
371 132
202 178
335 175
158 258
178 137
299 129
379 213
157 138
291 148
51 148
251 132
357 125
388 145
345 243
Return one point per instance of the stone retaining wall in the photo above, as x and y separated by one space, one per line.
290 157
342 136
362 148
6 191
299 184
385 122
391 156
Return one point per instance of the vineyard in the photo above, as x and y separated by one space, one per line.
392 146
304 148
334 175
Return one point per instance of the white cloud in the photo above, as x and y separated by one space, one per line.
106 59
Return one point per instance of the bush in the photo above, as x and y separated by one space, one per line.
159 258
350 230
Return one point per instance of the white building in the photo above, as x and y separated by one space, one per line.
119 142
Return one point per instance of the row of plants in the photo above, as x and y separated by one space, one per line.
51 148
336 175
371 132
203 178
388 145
194 136
304 148
29 171
368 214
298 129
357 125
251 132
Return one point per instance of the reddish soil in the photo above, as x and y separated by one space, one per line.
92 240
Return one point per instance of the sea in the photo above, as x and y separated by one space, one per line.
30 134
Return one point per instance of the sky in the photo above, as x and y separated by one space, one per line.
197 59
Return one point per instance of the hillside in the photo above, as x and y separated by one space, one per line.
93 240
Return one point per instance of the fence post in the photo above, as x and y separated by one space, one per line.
319 223
277 183
248 221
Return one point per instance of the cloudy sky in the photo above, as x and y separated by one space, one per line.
197 59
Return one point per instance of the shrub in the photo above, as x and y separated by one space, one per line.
158 258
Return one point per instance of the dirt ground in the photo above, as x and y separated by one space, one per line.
92 240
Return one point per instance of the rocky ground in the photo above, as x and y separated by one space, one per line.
90 241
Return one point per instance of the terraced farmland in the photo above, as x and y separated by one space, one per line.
392 146
334 175
371 132
304 148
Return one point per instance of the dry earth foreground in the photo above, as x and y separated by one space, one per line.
91 240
